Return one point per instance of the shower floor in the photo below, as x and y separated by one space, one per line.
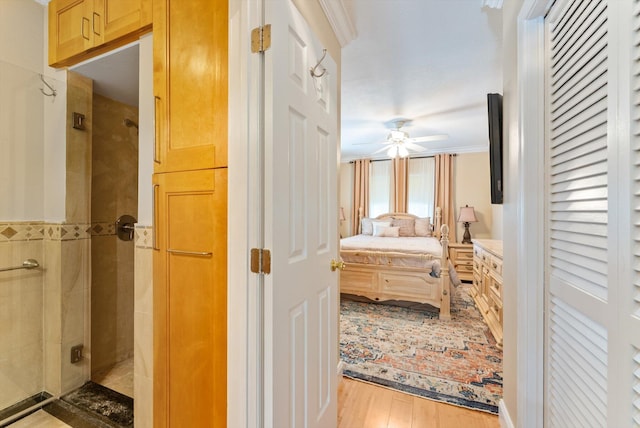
118 377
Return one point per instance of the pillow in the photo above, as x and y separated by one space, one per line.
406 225
388 231
366 226
380 223
423 226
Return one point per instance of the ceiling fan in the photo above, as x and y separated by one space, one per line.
400 144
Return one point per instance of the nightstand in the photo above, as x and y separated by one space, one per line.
461 256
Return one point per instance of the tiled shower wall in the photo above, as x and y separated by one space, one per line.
21 300
114 192
33 359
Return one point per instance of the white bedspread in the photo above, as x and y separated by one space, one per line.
408 245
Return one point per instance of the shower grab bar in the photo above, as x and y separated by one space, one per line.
27 264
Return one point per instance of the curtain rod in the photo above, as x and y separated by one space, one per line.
412 157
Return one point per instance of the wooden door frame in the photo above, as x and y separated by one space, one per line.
244 370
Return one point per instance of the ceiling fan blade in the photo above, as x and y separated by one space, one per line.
373 142
414 147
385 148
439 137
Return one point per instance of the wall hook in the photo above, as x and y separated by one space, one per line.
51 88
313 70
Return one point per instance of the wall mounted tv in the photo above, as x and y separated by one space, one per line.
494 104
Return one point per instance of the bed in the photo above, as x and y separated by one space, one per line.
389 262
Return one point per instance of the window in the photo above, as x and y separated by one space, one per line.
380 182
420 192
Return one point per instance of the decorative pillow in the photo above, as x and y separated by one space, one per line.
366 226
423 226
406 225
388 231
380 223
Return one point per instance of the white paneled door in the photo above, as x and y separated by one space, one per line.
300 167
591 330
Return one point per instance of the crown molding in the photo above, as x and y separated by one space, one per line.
340 20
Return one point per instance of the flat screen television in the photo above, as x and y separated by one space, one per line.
494 104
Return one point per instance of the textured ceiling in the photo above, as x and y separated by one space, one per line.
430 61
115 75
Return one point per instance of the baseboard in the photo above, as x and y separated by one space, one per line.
503 416
340 370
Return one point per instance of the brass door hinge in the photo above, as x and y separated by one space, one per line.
260 260
261 38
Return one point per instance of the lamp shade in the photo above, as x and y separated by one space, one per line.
467 215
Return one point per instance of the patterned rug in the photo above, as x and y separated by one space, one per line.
411 350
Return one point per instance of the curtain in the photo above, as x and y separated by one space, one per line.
360 205
444 192
400 179
420 192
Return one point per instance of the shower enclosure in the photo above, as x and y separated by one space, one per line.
26 340
70 317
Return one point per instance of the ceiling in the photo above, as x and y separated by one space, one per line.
115 75
431 62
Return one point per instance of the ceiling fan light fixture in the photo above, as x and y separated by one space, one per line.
397 135
403 152
393 151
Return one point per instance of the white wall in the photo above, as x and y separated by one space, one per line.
21 111
472 186
511 159
146 132
55 138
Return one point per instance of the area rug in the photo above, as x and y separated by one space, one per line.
409 349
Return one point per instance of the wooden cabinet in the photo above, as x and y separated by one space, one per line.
81 29
487 283
190 298
461 256
190 157
190 84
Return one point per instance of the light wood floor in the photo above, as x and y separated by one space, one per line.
362 405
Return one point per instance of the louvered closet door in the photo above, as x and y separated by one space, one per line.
577 215
592 329
630 315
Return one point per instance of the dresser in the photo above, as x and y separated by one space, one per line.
461 256
487 283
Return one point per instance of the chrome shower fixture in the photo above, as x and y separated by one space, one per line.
129 123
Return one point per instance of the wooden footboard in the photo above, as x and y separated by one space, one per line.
382 283
388 282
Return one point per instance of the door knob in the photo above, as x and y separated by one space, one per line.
337 265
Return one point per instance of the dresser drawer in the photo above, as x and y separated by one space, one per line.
477 266
464 255
463 268
496 264
494 288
